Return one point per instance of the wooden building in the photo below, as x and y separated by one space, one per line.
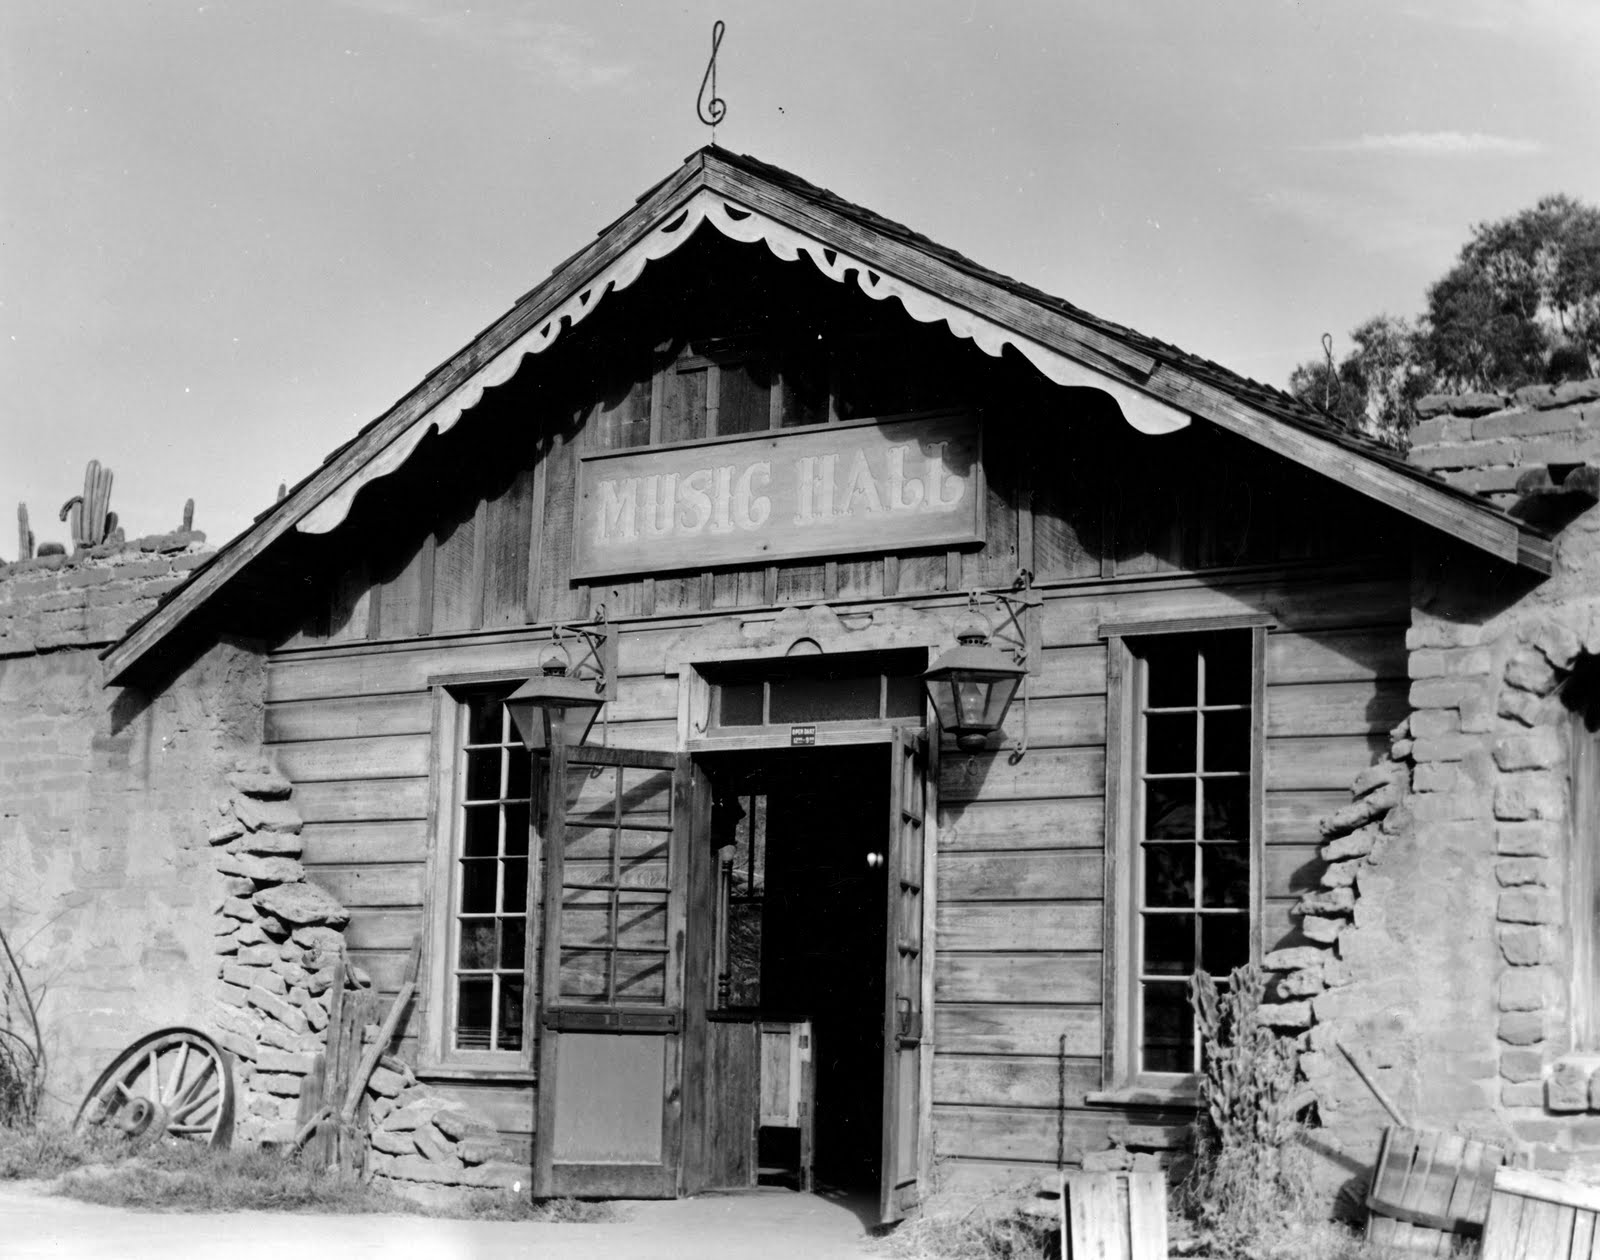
756 447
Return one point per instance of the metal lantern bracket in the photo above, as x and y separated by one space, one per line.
1010 633
597 659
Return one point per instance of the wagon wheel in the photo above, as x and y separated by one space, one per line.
175 1081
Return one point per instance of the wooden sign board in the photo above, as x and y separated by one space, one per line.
780 495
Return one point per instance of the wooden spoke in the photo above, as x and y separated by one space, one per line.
179 1063
179 1070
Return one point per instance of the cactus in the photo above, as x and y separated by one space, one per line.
24 534
90 515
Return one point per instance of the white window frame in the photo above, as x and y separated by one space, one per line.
439 1056
1122 1080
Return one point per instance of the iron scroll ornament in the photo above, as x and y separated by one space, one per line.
711 111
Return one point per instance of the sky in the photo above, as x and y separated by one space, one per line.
234 231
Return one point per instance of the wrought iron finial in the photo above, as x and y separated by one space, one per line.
1327 379
711 110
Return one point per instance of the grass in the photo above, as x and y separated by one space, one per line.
174 1176
996 1227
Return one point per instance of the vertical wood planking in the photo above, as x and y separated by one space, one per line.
509 528
454 574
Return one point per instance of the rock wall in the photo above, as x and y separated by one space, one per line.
1456 944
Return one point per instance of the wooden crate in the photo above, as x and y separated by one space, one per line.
1114 1216
1430 1189
1532 1217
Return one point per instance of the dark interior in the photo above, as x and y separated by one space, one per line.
805 910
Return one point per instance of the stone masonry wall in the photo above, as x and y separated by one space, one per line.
105 880
1452 945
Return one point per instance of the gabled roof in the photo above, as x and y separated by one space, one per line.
1158 387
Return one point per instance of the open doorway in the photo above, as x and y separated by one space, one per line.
800 840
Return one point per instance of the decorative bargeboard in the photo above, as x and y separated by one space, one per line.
780 495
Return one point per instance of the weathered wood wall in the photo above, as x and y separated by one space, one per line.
454 564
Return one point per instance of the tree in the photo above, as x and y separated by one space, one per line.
1373 388
1520 305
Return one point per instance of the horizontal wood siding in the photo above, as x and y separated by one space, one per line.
1020 867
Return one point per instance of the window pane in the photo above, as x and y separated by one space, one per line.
905 696
1228 669
483 774
516 841
513 940
641 977
483 718
1168 944
824 699
1170 674
519 774
1226 813
740 704
1168 1042
1228 740
1169 809
480 831
477 885
516 887
474 997
510 1037
477 944
1169 875
1169 742
1225 875
1224 943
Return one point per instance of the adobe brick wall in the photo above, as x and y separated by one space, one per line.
1452 954
1483 442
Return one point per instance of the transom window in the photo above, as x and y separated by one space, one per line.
855 687
494 782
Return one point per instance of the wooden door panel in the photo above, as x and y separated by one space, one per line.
611 1055
900 1190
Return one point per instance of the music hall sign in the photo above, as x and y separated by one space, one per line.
780 495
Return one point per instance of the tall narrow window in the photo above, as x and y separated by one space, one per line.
1184 807
490 901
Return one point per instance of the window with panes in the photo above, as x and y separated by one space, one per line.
1192 832
489 922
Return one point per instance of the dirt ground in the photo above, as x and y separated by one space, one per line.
764 1224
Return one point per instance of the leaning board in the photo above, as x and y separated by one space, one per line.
1532 1217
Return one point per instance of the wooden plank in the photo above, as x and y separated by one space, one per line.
390 928
335 843
997 1028
1292 816
1068 722
1359 655
997 825
360 757
1147 1216
1303 602
509 527
1015 977
1073 925
1320 764
1070 671
1291 869
401 596
1326 709
533 611
1021 1133
341 717
362 800
457 601
972 1179
1036 875
1008 1081
1502 1227
375 885
1041 775
1095 1223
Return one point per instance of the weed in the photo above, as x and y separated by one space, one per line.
1250 1189
48 1151
997 1227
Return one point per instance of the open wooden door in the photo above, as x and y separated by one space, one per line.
610 1059
902 1035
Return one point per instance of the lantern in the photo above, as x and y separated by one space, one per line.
551 701
972 686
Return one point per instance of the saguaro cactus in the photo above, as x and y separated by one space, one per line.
90 512
24 534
